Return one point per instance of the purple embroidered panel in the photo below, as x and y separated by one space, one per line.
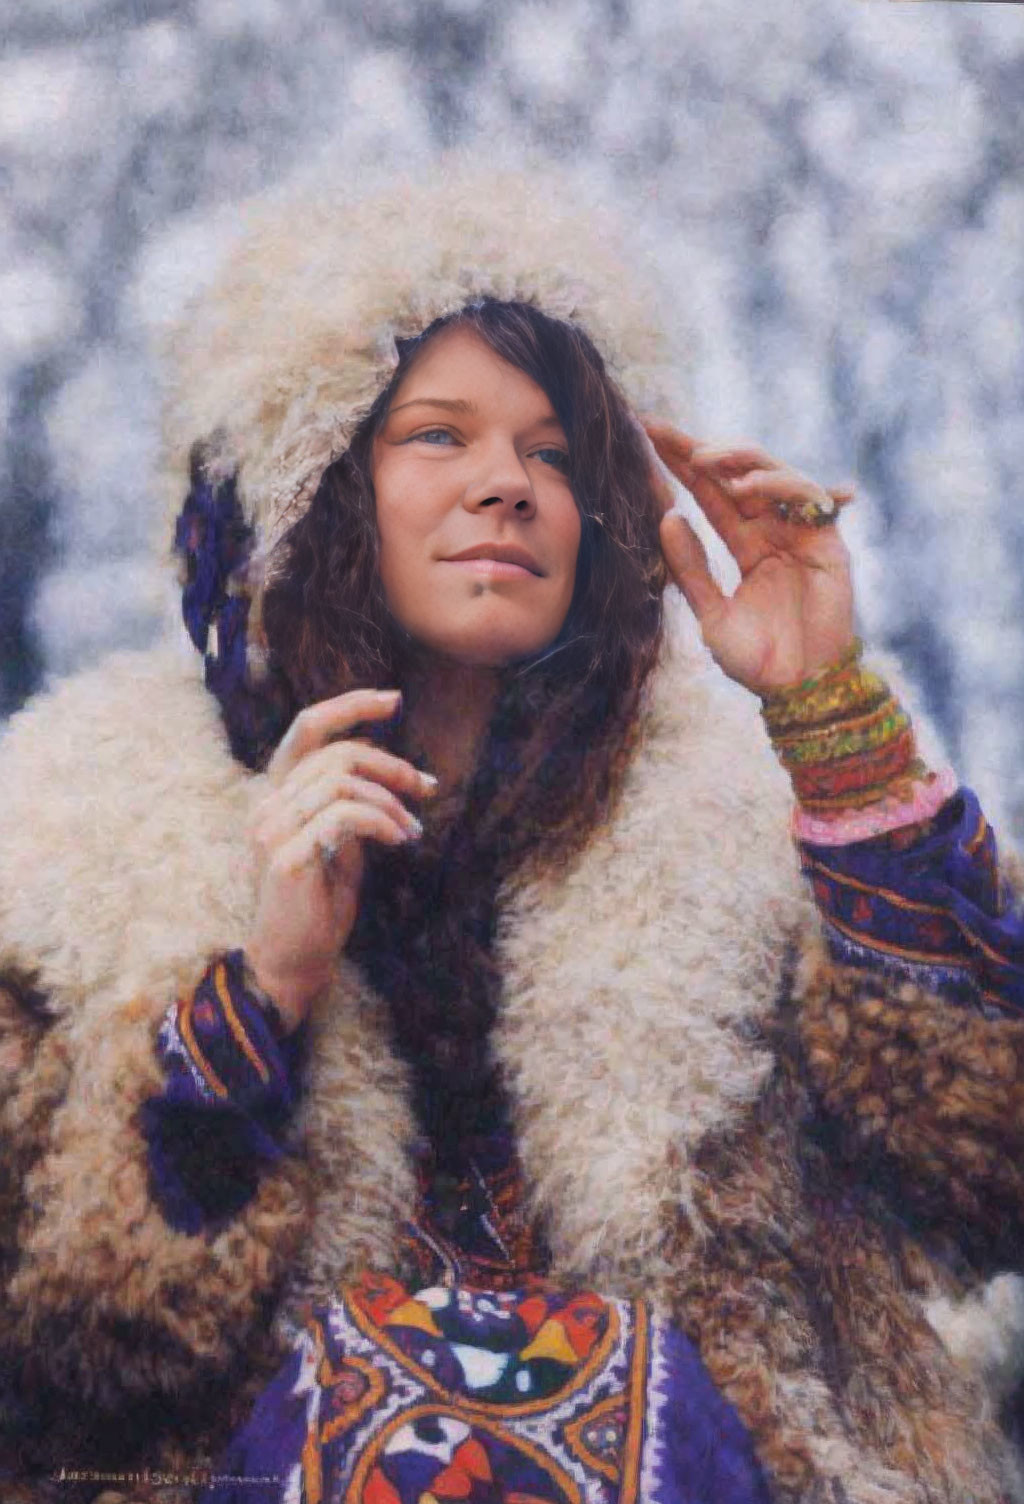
934 910
394 1395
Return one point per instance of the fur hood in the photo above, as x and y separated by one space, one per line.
634 986
275 363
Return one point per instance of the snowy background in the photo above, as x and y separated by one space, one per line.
838 187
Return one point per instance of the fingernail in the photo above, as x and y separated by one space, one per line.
415 828
428 778
389 694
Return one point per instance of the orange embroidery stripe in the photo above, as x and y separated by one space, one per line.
312 1470
897 901
312 1464
972 845
630 1487
210 1076
235 1025
930 958
908 903
986 949
1001 1003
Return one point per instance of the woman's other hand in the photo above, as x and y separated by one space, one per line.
328 793
792 612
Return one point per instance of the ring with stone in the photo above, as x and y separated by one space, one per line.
809 513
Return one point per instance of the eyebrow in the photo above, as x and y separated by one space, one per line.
462 405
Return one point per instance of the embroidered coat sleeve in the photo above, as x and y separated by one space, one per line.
927 903
911 1016
233 1078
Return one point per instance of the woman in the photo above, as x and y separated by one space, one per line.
446 1128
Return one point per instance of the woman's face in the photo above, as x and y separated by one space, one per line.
471 455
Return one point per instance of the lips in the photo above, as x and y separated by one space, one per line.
504 553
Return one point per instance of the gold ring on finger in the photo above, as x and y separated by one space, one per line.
809 513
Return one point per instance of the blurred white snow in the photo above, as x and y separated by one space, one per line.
837 193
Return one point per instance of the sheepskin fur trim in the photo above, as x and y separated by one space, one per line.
636 987
120 869
287 349
357 1123
639 983
123 868
643 970
122 849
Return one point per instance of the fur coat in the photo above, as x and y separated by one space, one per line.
792 1159
807 1167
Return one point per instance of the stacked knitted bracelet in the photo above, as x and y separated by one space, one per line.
850 752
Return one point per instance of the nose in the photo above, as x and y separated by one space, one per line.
502 481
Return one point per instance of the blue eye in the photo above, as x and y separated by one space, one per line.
555 457
441 437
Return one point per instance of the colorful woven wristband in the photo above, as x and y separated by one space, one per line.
842 735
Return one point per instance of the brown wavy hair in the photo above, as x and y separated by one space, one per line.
565 720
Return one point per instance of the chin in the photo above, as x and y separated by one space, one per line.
478 657
496 652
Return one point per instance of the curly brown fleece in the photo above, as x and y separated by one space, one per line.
799 1289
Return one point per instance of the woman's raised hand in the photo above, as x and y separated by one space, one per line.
792 612
327 795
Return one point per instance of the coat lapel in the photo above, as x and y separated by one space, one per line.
633 990
635 985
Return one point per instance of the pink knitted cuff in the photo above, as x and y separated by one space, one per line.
876 819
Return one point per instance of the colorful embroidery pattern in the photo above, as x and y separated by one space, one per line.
476 1396
537 1397
931 911
530 1395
